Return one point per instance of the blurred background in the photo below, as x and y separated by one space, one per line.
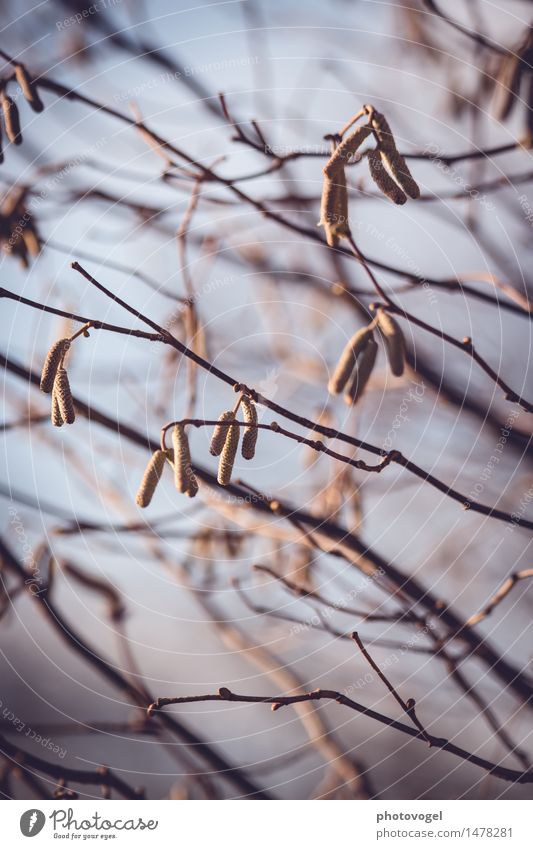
169 596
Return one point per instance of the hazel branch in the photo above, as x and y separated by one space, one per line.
277 702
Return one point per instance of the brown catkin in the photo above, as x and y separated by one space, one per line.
399 170
227 458
334 206
344 152
183 473
382 178
11 119
347 360
64 396
29 89
363 370
219 434
51 364
57 418
392 158
151 478
249 437
394 341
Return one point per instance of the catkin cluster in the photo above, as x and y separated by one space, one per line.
387 166
224 444
10 111
357 360
54 381
179 458
226 436
18 233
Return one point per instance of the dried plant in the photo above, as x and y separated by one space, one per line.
362 372
62 397
394 341
353 349
229 452
334 206
321 538
383 179
54 359
151 478
220 432
11 119
184 477
29 89
249 437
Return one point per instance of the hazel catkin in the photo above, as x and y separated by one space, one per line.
64 396
55 415
151 478
249 437
363 370
29 89
346 149
11 119
334 206
394 342
183 473
392 157
382 178
51 364
227 458
348 359
219 434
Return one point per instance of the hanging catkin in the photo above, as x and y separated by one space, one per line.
183 473
344 152
64 396
11 119
382 178
392 158
29 89
219 434
348 359
334 206
249 438
57 418
227 458
151 478
51 364
362 372
394 341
